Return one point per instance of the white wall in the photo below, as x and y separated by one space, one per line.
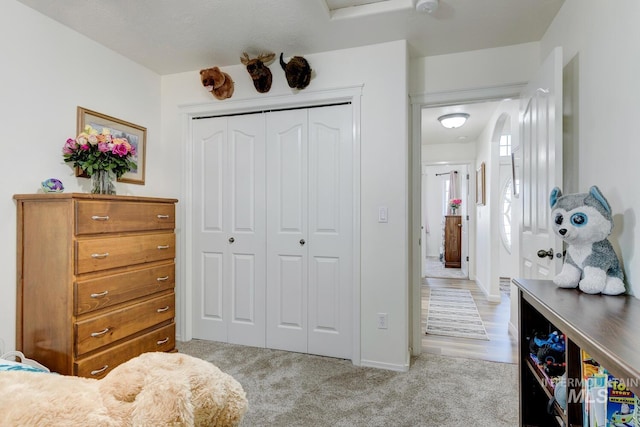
475 69
384 163
488 239
603 42
47 71
449 153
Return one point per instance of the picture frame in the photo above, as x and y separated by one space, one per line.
480 185
135 134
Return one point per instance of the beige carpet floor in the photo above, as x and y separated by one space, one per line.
292 389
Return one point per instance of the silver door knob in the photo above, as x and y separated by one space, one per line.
231 240
302 242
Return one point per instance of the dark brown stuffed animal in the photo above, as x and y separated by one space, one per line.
297 71
217 82
258 70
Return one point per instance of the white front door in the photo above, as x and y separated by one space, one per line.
541 154
229 229
309 230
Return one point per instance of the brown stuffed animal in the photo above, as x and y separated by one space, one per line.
153 389
217 82
297 71
258 70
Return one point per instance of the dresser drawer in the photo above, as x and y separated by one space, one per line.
104 329
111 252
114 217
99 365
95 294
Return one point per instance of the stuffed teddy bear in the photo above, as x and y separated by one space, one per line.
584 221
217 82
153 389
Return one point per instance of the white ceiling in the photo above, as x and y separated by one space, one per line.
479 114
171 36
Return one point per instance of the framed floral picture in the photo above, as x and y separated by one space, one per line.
480 185
135 134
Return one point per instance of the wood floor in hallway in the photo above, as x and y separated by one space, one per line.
501 347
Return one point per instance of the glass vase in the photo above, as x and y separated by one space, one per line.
102 182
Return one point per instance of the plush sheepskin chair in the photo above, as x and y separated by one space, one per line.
153 389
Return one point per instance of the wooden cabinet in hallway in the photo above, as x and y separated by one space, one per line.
452 241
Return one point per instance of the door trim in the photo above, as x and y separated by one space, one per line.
418 102
188 112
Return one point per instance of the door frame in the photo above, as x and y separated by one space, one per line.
418 102
187 113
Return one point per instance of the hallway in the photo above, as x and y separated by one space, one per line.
501 347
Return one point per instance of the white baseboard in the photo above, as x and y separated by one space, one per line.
383 365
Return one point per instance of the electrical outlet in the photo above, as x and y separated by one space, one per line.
382 321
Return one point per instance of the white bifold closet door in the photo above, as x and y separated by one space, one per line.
309 231
229 229
273 230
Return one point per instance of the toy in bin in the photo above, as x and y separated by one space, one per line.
607 400
549 350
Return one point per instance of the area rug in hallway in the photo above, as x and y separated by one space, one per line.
453 313
435 268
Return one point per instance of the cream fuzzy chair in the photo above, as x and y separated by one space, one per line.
153 389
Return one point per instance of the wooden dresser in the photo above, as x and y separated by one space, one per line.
452 241
96 278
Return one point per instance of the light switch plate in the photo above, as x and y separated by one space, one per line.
383 214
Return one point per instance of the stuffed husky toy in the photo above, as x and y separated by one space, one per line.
584 221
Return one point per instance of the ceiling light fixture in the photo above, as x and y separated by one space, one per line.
428 6
454 120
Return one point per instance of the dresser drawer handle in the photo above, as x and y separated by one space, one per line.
163 246
99 334
100 256
162 216
162 279
164 341
101 294
100 218
163 309
101 370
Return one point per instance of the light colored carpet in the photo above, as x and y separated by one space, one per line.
295 390
453 313
435 268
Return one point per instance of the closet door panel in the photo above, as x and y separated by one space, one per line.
209 237
330 231
247 230
287 271
229 229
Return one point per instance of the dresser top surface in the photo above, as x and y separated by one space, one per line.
90 196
